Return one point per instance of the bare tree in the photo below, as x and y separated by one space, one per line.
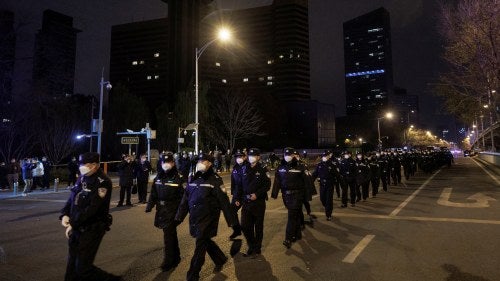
236 117
471 32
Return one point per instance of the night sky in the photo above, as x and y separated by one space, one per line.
416 45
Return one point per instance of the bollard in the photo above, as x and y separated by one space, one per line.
56 183
15 187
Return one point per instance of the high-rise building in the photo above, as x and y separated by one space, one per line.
7 57
368 63
55 52
139 60
405 107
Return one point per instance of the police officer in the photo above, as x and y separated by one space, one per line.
325 171
184 165
204 198
47 167
86 218
347 170
166 195
251 194
142 170
291 179
126 175
362 177
236 181
381 159
310 191
374 173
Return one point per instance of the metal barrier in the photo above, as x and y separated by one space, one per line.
490 157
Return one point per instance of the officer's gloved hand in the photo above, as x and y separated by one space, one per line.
68 231
65 221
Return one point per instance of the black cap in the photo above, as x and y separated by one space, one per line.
168 157
288 151
239 153
346 152
89 157
205 157
254 152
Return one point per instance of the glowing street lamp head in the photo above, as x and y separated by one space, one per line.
389 115
224 34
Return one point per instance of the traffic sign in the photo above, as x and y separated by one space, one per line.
130 140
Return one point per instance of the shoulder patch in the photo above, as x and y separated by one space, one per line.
102 192
268 175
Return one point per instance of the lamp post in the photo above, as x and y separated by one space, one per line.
388 116
99 131
223 35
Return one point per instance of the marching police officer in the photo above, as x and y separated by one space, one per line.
236 175
347 170
204 198
326 173
251 194
86 218
291 179
126 174
375 173
384 169
362 177
166 195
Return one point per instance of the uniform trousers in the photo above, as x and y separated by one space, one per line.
204 245
123 190
172 253
348 186
252 223
326 197
142 190
375 184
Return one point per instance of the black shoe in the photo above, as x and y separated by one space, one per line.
287 244
328 218
119 205
343 206
353 205
258 252
313 216
359 199
218 267
249 253
129 204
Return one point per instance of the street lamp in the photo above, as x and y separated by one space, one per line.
99 131
79 137
223 35
388 115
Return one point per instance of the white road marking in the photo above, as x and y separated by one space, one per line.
413 195
351 257
482 201
486 171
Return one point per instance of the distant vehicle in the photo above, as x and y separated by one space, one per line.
469 153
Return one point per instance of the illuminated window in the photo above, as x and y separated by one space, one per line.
149 77
245 79
269 83
298 55
378 96
217 64
281 56
352 44
157 77
134 62
224 81
371 54
270 77
269 61
156 55
357 63
261 79
141 62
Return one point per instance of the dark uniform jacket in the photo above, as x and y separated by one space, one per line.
252 180
347 169
362 172
166 195
73 168
326 172
126 173
88 203
142 171
204 198
292 180
375 169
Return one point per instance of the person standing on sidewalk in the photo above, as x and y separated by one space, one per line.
13 171
27 175
126 175
47 166
72 172
142 170
37 174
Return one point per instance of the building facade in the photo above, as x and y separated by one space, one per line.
7 57
55 53
368 63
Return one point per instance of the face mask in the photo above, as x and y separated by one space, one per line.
200 167
378 154
347 156
288 158
324 159
239 160
166 166
252 159
143 159
359 157
84 170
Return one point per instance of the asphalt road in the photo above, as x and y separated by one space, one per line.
428 228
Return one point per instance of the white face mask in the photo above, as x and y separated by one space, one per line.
378 154
143 159
288 158
324 159
166 166
200 167
359 157
239 160
347 156
252 159
84 170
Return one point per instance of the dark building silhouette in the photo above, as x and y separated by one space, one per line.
140 59
405 107
368 63
55 52
7 59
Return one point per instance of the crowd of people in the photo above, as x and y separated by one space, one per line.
34 173
187 184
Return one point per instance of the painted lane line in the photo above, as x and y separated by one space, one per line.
351 257
486 171
413 195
